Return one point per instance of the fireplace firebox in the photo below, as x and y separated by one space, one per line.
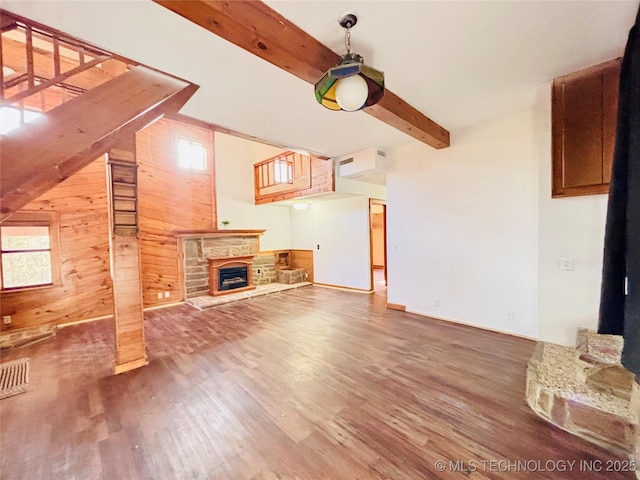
232 278
230 275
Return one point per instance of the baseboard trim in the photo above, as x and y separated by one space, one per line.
346 289
86 320
396 306
104 317
479 327
164 305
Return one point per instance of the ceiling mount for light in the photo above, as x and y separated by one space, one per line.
351 85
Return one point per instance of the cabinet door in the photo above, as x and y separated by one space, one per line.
584 107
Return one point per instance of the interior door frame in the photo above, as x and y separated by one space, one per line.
372 202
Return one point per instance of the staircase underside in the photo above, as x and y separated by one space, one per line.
43 153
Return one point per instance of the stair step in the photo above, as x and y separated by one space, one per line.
598 363
556 394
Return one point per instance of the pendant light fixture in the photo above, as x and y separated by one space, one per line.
351 85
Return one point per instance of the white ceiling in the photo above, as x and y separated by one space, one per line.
457 62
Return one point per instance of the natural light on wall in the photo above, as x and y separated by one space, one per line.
10 118
191 155
283 170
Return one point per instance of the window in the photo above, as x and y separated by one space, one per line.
27 250
191 155
283 170
10 118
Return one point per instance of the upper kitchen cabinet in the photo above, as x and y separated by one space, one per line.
584 111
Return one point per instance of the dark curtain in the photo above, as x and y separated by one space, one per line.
620 296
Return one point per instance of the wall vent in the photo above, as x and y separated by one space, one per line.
363 165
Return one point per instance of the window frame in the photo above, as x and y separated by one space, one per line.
207 157
277 170
37 219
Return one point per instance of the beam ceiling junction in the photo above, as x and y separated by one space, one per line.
258 29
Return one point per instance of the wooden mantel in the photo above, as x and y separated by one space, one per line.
216 233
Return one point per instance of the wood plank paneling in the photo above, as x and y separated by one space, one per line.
170 199
127 296
303 259
83 226
322 181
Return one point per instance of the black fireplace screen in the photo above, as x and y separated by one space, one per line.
230 278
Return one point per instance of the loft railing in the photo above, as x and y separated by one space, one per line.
41 68
277 170
286 172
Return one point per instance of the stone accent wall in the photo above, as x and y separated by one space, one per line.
264 269
198 249
291 276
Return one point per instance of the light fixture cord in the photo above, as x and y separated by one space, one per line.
347 40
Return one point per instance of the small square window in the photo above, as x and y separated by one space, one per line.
26 256
191 155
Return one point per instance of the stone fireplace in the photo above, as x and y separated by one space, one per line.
220 248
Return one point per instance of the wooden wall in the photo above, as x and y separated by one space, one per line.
85 292
322 181
170 199
303 259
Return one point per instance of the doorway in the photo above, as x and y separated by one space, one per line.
378 245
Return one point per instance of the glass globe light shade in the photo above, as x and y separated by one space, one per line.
351 93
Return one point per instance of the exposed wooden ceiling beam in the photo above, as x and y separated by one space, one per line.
41 154
255 27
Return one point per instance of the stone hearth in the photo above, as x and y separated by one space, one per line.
585 391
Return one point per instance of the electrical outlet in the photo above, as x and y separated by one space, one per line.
159 294
167 294
259 271
6 319
566 263
510 316
436 302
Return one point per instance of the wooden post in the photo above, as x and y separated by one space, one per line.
126 273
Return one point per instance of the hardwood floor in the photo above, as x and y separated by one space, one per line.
310 384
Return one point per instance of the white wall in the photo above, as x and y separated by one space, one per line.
476 227
462 227
341 228
568 227
234 159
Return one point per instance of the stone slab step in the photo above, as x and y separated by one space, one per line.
598 363
557 395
